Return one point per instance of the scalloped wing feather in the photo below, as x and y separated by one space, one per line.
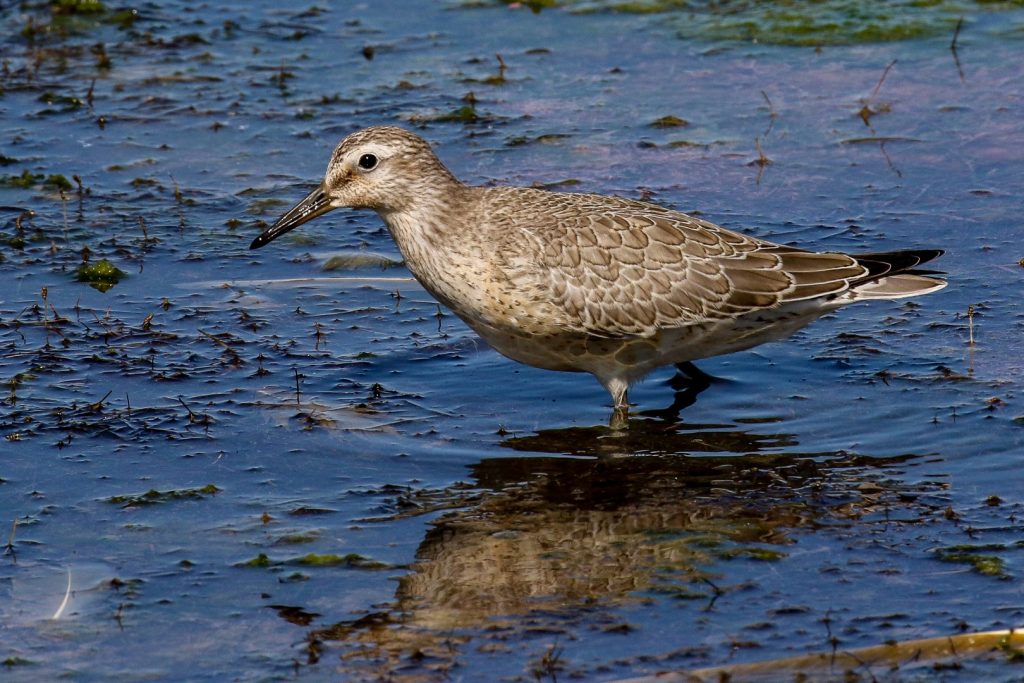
617 267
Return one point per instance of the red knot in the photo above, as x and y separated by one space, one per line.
589 283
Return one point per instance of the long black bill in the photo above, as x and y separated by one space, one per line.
315 204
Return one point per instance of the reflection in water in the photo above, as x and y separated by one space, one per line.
547 539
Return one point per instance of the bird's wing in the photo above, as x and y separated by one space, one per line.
618 267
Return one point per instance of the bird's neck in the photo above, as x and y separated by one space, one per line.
436 241
427 223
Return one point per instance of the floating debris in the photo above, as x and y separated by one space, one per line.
101 275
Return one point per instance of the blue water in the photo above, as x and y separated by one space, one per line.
476 519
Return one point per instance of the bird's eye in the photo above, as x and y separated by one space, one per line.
368 162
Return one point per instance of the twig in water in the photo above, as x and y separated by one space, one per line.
64 602
761 161
772 114
214 339
27 213
866 109
180 202
888 160
9 548
98 405
64 206
882 79
953 46
191 416
970 324
319 334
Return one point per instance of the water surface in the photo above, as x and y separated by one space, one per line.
250 467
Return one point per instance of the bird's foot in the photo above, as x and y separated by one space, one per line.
689 377
619 419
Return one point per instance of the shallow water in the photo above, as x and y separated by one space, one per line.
248 467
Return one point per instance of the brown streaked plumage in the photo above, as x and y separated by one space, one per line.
589 283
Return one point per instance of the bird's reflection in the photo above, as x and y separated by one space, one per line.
618 516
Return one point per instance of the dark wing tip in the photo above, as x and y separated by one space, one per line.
881 264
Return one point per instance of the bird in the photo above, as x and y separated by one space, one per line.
576 282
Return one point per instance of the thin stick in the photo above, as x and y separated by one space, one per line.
98 405
882 79
64 204
953 46
64 603
10 539
215 340
970 324
191 415
956 33
772 114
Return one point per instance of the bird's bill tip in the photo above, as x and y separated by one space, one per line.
314 204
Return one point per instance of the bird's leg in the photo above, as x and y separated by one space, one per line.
695 374
687 384
619 389
688 376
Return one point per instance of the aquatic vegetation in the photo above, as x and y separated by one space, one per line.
101 275
349 561
24 181
57 19
464 114
154 497
545 139
669 122
979 557
76 6
791 22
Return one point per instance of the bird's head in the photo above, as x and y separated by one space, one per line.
384 168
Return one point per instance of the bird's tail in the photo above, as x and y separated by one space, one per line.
895 274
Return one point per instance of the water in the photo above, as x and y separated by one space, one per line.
251 468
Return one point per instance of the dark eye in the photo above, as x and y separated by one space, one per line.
368 162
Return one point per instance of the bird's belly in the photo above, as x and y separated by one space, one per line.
578 352
635 356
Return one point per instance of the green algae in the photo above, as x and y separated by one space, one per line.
16 661
23 181
65 102
27 180
348 561
298 538
546 139
58 181
977 557
793 22
100 275
752 553
464 114
260 561
76 6
669 122
153 497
